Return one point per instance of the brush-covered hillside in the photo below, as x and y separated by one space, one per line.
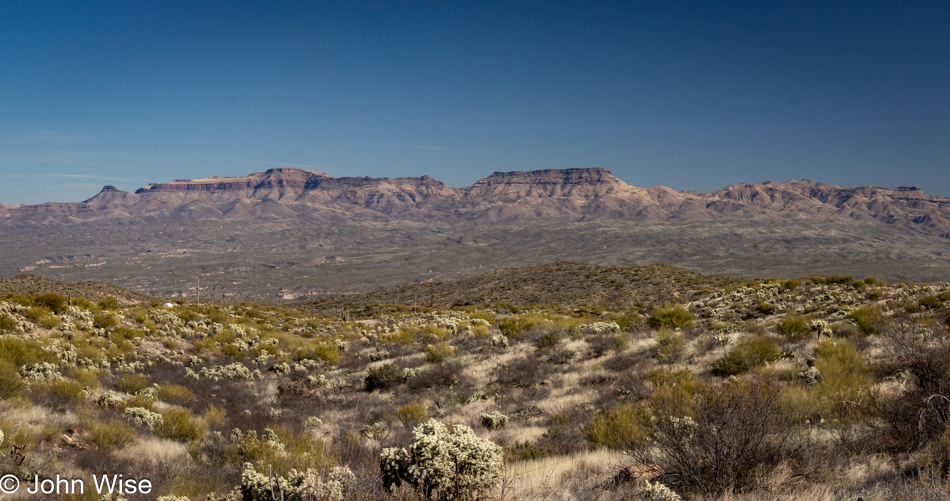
819 388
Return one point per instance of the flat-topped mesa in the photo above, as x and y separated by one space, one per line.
582 183
297 179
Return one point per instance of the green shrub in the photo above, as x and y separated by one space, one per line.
42 315
671 316
68 389
669 344
869 319
111 434
746 355
108 303
929 301
791 284
794 326
515 326
765 308
175 394
439 352
625 427
105 320
54 302
11 384
179 424
411 414
7 322
132 383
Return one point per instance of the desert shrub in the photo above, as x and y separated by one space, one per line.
20 352
175 394
791 284
327 351
42 315
836 385
734 440
439 352
411 414
929 301
869 319
382 378
765 308
794 326
7 322
625 427
132 383
515 326
493 420
919 415
11 384
746 355
179 424
669 344
54 302
105 320
111 434
108 303
69 390
549 339
522 372
671 316
443 462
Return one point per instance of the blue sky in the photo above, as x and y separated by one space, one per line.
691 95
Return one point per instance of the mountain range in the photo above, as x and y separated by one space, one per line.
290 233
591 194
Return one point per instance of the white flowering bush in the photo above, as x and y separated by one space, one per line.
443 462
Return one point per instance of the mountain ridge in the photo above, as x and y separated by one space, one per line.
581 194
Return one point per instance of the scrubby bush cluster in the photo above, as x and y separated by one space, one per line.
764 386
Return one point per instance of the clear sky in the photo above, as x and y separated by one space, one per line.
691 95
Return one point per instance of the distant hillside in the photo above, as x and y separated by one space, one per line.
564 283
30 284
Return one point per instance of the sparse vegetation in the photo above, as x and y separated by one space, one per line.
742 400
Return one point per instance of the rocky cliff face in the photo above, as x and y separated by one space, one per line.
573 194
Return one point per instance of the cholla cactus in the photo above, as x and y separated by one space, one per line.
600 328
173 498
235 371
297 485
493 420
1 437
40 372
656 492
144 417
109 399
443 462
